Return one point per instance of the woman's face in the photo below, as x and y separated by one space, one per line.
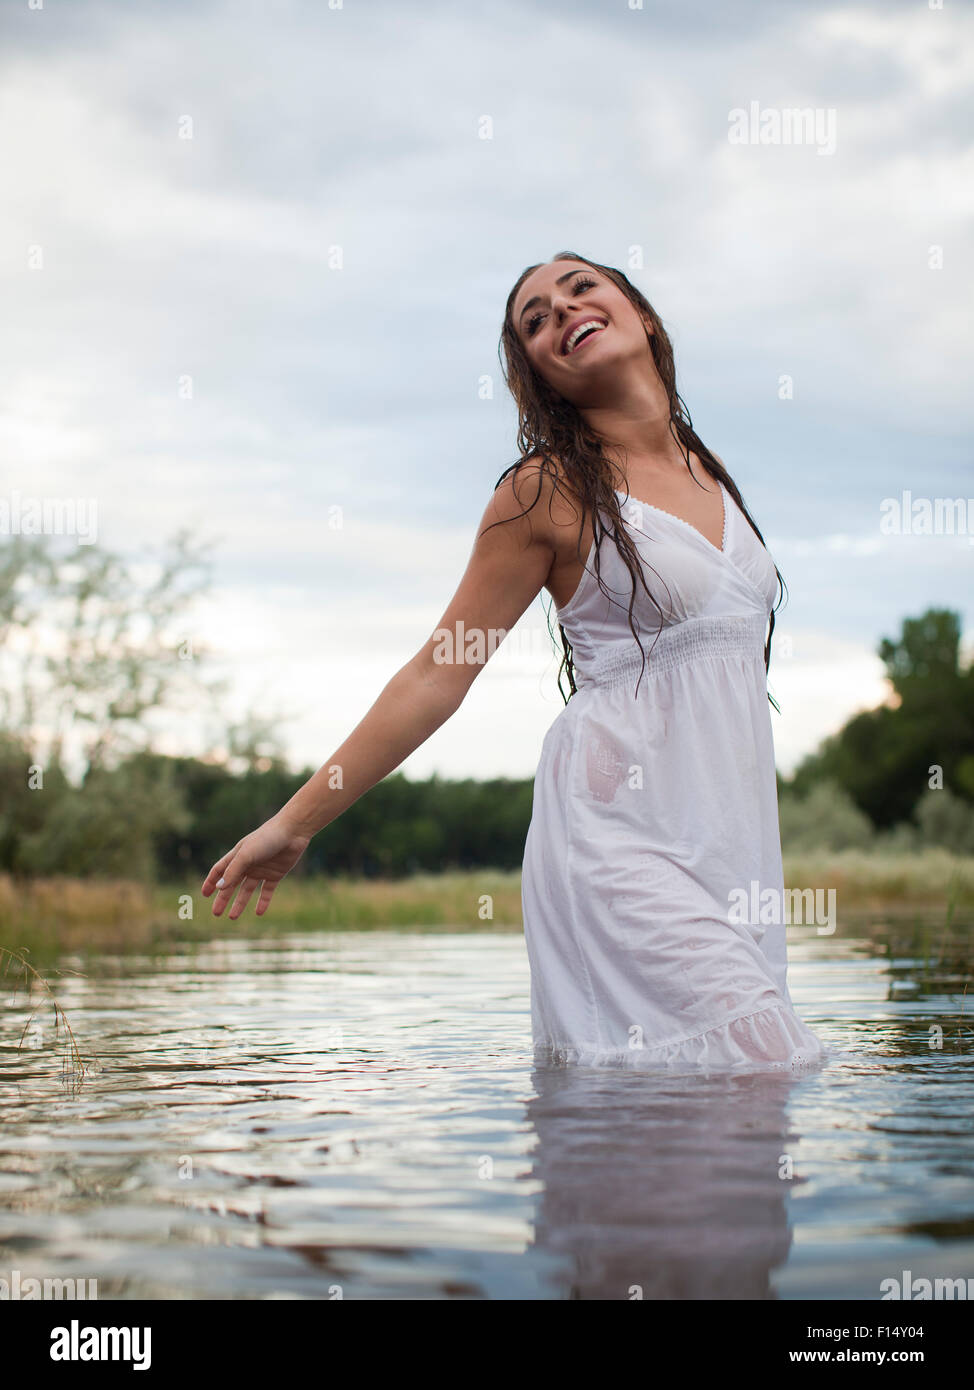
575 325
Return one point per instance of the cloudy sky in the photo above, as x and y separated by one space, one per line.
255 259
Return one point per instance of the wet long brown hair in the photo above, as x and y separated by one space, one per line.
551 428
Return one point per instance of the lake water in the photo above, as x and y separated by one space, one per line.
359 1113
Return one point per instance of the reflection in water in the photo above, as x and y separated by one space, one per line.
656 1188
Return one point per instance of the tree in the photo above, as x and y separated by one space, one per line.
91 647
826 818
94 645
883 757
107 827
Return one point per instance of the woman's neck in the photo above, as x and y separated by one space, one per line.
635 427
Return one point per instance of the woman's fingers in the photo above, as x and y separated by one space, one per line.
228 881
266 893
259 860
243 897
209 883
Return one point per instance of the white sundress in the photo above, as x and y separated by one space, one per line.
653 812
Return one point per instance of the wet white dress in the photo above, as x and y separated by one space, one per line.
655 810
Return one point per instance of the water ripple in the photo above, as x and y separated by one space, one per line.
357 1114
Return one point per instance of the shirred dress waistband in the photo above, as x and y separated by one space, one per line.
695 639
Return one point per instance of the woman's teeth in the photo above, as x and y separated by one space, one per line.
579 331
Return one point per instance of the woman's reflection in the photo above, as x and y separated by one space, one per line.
662 1187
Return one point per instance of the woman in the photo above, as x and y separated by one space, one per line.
655 803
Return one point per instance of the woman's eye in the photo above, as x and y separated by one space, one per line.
583 283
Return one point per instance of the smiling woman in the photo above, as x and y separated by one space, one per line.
655 799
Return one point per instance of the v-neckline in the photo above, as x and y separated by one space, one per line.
721 549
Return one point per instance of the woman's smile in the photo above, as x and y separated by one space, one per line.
581 332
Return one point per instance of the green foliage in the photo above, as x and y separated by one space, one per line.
173 817
403 827
107 827
945 821
883 758
825 818
23 807
224 807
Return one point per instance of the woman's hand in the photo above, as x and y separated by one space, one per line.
261 858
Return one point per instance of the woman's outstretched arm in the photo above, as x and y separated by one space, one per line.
506 571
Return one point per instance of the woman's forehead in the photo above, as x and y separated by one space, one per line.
546 277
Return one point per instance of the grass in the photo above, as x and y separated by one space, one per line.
425 900
15 970
48 916
69 913
929 878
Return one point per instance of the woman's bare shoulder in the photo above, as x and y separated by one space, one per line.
539 488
